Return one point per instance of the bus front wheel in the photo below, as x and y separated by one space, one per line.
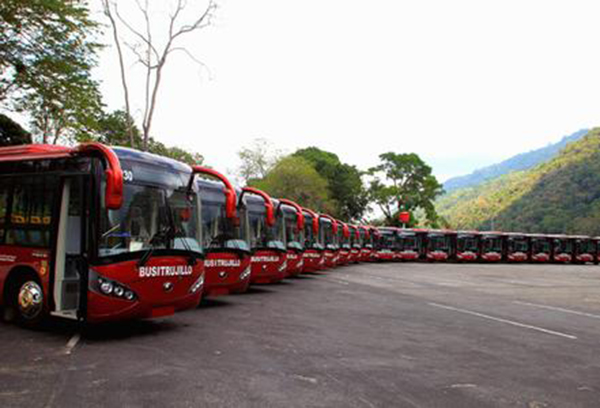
27 302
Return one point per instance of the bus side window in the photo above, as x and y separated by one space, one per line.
4 191
30 215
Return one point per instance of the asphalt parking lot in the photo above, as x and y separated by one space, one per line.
371 335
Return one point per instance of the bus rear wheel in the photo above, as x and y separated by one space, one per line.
27 302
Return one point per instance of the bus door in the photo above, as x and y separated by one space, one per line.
70 265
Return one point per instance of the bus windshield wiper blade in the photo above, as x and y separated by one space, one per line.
162 235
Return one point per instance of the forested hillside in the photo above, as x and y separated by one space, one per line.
561 195
523 161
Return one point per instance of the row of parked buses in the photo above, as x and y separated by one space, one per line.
95 233
475 246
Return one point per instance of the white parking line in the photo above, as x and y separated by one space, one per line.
72 343
558 309
500 320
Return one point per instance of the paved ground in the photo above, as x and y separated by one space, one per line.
408 335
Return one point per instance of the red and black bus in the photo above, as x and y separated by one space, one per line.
492 246
584 249
386 246
355 244
412 244
93 233
440 245
313 248
343 236
562 248
517 247
328 232
226 235
540 248
293 219
467 246
366 243
267 237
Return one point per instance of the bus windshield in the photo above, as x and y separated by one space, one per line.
491 244
294 237
387 239
261 235
585 246
219 231
409 242
151 217
311 240
563 246
439 243
540 245
466 243
328 238
518 245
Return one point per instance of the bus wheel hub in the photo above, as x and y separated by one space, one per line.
30 299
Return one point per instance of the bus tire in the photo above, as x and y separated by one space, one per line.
25 301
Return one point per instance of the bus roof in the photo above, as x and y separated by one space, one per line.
167 163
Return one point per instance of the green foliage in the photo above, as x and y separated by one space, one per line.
345 182
404 182
559 196
296 179
523 161
46 54
11 133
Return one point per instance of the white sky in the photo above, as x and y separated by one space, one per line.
462 83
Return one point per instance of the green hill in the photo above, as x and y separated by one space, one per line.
560 195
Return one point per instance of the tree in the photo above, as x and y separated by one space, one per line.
257 160
11 133
46 54
149 54
404 182
296 179
344 180
117 127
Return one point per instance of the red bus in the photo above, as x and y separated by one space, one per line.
440 245
387 243
584 249
313 248
294 235
492 246
226 235
355 244
412 244
597 240
343 236
517 247
328 231
562 248
267 237
366 243
540 248
93 233
467 246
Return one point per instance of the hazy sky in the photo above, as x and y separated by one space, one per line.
462 83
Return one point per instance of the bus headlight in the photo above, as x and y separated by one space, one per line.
197 285
108 287
246 274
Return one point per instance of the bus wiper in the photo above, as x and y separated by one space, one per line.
158 235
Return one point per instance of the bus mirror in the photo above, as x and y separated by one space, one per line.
114 174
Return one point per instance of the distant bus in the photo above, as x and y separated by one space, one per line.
440 245
584 249
517 247
343 234
93 233
355 244
366 243
386 246
226 234
267 237
467 246
562 248
314 259
540 248
412 244
328 231
293 217
492 246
